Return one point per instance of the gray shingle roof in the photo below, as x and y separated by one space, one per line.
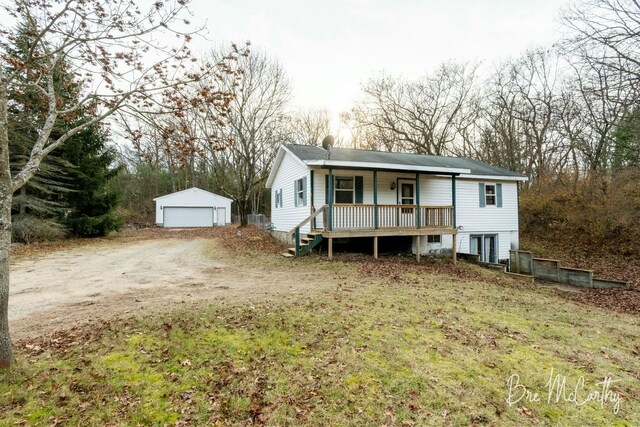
310 153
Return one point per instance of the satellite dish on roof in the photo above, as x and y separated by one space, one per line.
328 142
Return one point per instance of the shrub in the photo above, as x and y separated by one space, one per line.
29 229
600 210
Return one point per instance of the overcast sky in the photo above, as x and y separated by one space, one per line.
329 48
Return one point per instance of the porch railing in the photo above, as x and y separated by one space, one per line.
390 216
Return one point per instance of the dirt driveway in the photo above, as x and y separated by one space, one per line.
74 286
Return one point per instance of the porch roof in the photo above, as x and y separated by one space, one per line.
367 159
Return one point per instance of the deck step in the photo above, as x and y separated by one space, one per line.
288 255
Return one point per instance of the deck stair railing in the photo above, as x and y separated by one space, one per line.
367 217
304 245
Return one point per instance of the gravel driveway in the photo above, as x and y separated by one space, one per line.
74 286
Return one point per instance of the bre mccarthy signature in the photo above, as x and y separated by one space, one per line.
559 389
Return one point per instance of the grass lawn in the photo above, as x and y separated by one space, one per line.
394 344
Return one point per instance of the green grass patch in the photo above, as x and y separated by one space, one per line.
431 350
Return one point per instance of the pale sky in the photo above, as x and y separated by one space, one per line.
328 49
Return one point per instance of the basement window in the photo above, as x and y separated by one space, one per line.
437 238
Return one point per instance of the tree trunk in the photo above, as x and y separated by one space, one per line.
6 194
6 355
243 207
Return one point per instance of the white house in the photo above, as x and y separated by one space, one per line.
192 208
447 204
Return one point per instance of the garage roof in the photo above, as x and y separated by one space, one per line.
193 189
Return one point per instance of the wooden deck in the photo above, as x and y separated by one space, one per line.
359 220
409 232
383 232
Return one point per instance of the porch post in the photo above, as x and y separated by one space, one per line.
375 202
312 199
375 247
418 248
453 198
330 193
418 202
455 255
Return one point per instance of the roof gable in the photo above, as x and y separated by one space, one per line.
282 151
192 190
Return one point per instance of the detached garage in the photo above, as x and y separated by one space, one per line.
192 208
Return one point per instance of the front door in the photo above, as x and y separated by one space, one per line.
406 196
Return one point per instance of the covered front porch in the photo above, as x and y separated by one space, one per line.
365 216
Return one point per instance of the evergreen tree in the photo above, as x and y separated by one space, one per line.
627 142
70 188
38 205
92 201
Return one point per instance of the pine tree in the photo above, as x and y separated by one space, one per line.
627 142
70 188
37 205
92 201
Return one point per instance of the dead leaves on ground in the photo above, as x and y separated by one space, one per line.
605 264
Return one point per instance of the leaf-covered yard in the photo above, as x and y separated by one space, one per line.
393 343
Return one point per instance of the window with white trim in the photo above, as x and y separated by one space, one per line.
490 194
278 198
344 189
300 199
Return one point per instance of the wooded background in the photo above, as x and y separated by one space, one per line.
566 115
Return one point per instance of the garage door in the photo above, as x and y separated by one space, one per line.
188 217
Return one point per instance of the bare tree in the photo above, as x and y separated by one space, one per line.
607 33
424 116
112 50
522 115
256 126
603 50
600 103
308 127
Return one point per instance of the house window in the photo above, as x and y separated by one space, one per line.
278 198
344 189
490 194
300 193
437 238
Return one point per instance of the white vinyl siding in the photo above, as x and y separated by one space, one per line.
193 198
474 219
434 191
286 216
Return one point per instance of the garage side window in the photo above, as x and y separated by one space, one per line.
300 191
